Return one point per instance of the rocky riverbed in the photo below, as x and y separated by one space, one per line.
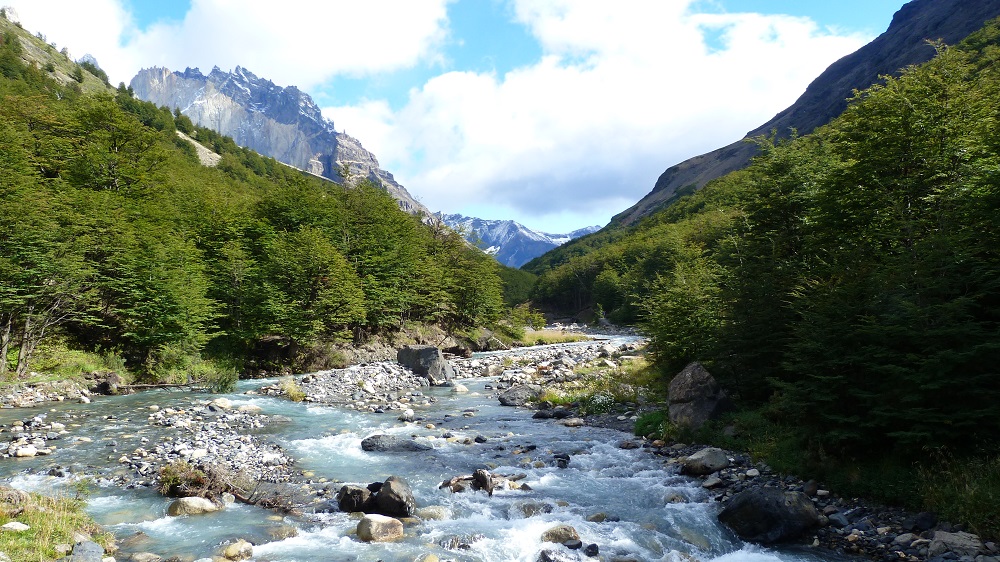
214 432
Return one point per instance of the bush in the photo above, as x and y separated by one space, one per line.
292 389
179 478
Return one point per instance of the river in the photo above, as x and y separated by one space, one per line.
629 486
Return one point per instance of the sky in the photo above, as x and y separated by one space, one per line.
556 113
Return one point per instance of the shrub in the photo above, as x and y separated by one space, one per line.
292 389
179 478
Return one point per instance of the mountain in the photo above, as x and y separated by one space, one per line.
510 242
904 43
284 123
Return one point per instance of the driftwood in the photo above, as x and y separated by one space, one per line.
158 385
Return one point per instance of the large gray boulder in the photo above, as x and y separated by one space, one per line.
520 395
427 361
962 544
395 498
705 461
694 397
769 515
391 444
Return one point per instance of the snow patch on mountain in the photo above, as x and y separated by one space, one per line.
510 242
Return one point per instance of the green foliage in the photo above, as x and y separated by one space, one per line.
291 389
178 477
964 489
96 71
517 285
655 423
113 236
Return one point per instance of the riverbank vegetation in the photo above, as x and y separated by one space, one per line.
117 242
51 522
844 289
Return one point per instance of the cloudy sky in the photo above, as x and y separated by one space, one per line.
556 113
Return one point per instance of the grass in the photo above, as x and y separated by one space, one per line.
53 521
292 389
600 388
546 337
56 362
964 489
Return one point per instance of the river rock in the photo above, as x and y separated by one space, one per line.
395 498
382 443
353 498
769 515
520 395
86 551
560 534
426 360
379 528
239 550
705 461
963 544
191 506
694 397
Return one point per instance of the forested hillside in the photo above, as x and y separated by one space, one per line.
848 282
114 239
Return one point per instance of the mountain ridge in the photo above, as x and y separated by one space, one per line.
282 122
904 43
510 242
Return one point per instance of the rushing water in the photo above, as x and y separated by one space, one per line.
628 484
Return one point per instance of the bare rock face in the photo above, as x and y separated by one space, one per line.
283 123
769 515
694 397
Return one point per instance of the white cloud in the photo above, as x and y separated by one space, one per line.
623 91
292 42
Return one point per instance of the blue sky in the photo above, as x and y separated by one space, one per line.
556 113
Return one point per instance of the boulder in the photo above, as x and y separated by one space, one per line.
239 550
191 506
520 395
962 544
694 397
379 528
353 498
427 361
395 498
560 534
381 443
705 461
769 515
86 551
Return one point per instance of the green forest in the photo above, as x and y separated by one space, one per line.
845 288
117 242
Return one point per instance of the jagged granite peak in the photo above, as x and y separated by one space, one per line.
281 122
510 242
904 43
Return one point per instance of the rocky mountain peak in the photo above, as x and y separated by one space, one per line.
282 122
510 242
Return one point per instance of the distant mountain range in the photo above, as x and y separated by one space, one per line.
510 242
904 43
283 123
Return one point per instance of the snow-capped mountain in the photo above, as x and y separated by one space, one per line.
284 123
510 242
